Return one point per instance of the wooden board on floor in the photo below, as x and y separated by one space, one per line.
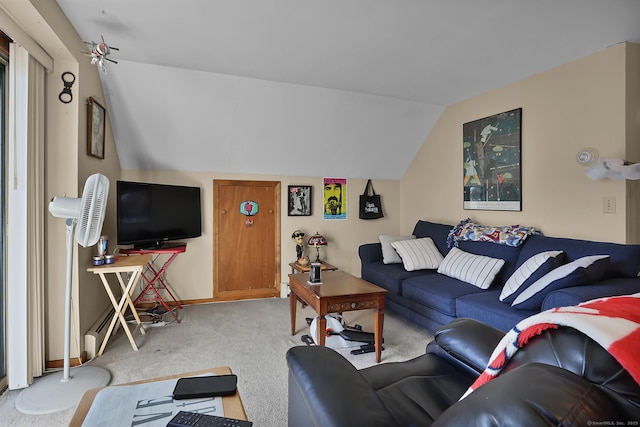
232 405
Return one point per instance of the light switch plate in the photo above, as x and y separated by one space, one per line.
609 205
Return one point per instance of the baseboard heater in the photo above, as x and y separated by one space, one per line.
94 337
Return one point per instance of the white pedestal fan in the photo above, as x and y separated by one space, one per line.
63 390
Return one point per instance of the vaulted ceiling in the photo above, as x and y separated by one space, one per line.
319 88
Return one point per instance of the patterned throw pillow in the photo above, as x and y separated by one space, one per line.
477 270
418 254
529 272
582 271
389 255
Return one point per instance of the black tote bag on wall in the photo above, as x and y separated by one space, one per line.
370 204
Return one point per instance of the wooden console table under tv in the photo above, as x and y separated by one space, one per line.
339 292
154 276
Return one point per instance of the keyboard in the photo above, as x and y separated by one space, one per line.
194 419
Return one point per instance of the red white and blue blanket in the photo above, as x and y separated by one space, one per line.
612 322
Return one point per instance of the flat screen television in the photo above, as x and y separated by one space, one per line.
150 215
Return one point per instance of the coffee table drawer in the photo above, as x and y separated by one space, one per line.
352 305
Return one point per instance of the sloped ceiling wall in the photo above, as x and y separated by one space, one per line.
352 86
174 119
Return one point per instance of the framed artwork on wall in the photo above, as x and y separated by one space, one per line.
334 198
96 118
491 162
299 200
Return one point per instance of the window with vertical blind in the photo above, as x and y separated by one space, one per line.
4 58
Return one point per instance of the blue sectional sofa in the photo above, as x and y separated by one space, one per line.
432 299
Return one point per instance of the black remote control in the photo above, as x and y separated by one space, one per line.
195 419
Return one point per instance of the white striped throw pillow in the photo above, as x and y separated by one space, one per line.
418 254
477 270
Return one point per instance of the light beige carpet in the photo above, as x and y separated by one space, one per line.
252 337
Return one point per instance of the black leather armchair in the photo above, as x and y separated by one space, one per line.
559 378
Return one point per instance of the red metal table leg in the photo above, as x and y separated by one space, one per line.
157 279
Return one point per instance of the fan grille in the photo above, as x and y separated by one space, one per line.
92 209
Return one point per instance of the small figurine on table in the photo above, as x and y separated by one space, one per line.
298 237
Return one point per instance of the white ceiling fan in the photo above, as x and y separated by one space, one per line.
62 390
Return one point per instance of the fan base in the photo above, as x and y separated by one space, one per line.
50 394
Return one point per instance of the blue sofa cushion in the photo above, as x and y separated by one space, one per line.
437 291
625 259
389 276
437 232
370 252
582 271
568 297
486 307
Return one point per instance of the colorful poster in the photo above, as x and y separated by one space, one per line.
335 198
491 162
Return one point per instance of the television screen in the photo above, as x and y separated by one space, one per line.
148 215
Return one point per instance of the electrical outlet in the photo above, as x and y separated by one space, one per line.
609 205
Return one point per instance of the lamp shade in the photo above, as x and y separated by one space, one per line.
317 240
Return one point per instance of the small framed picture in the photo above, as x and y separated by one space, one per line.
299 200
96 118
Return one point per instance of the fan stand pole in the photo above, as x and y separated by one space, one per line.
59 391
67 301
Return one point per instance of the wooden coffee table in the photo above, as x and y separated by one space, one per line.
339 292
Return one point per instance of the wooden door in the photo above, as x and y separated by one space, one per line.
246 239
